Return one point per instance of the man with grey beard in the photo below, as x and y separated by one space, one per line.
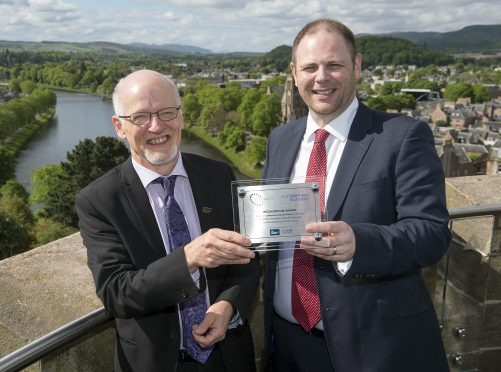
160 245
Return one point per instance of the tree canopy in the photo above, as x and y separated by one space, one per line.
86 162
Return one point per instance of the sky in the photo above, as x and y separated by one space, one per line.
228 25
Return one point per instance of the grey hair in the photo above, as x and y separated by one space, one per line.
117 103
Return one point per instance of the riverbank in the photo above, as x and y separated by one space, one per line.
15 143
235 158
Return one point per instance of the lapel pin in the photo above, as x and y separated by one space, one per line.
206 210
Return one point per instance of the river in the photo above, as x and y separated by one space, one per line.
79 116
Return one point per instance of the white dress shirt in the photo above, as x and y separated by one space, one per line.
334 146
184 197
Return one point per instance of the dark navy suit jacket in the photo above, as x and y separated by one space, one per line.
140 285
389 187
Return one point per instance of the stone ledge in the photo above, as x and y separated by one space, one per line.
43 289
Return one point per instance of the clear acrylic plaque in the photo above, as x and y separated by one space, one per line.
275 211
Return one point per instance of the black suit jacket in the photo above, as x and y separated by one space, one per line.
389 187
140 285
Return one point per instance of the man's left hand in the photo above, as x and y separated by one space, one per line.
337 243
213 327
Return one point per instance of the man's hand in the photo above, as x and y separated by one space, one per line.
218 247
337 243
214 325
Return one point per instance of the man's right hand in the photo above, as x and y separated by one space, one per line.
218 247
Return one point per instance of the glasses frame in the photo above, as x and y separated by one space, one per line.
128 117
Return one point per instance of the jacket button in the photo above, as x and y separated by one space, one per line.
184 294
174 335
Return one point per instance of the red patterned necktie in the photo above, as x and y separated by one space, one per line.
304 291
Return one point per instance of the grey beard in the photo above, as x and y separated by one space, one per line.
161 159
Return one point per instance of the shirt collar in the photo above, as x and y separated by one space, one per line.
339 127
147 175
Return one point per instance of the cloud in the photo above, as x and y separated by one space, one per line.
51 6
13 2
228 25
209 3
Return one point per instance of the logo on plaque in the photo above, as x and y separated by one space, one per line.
256 199
274 232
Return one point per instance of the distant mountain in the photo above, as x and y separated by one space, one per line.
64 46
170 47
100 46
470 39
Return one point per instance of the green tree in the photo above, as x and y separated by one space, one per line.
256 150
236 139
213 117
8 122
88 161
191 107
376 103
267 115
7 165
455 91
390 88
231 96
480 93
206 115
13 188
14 200
249 101
18 209
14 238
223 135
47 230
27 86
15 85
392 102
43 180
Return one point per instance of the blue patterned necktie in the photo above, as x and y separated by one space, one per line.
194 308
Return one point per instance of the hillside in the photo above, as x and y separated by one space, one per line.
99 46
470 39
376 50
418 48
385 50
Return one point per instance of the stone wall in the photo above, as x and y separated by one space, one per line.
44 289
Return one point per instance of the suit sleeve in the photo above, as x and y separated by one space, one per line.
419 234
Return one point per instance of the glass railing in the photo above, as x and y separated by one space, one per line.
468 290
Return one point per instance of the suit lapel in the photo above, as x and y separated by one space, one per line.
287 150
140 204
357 144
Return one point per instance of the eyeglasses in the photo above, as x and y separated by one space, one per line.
144 118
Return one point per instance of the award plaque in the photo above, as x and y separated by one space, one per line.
271 211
